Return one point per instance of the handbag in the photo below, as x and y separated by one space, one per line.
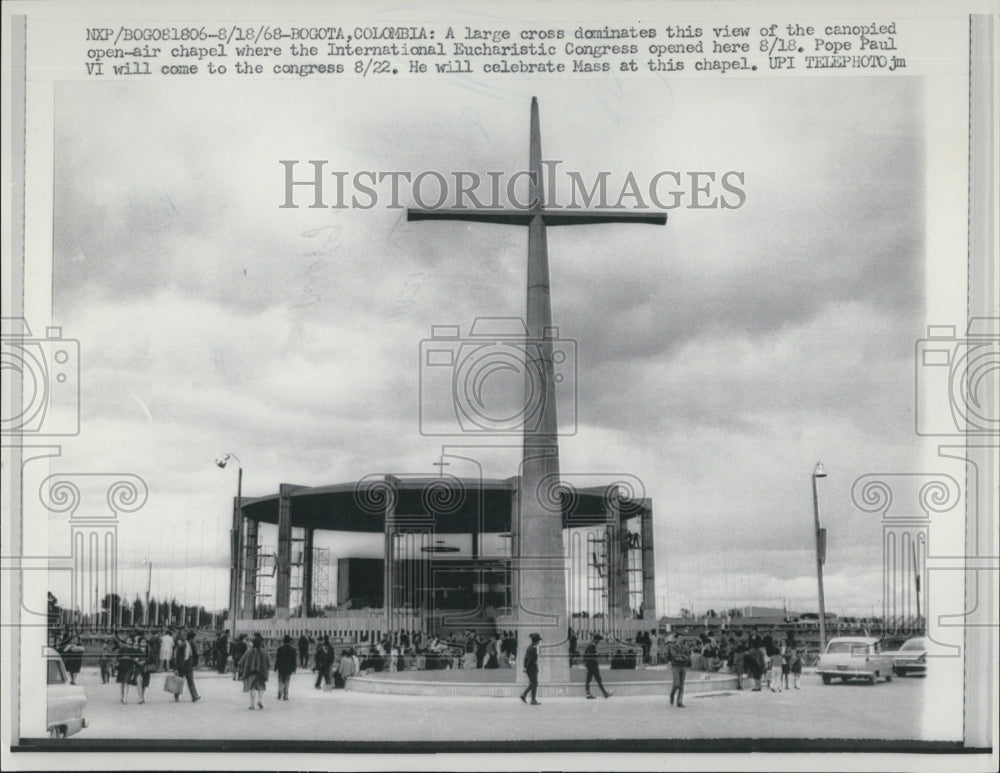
174 684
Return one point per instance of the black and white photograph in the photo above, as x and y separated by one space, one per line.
571 386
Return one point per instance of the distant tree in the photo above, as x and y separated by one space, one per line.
54 611
111 607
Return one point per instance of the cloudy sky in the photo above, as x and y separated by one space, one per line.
719 357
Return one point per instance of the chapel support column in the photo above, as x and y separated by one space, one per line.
250 569
648 566
307 571
284 580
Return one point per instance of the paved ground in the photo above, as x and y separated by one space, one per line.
890 711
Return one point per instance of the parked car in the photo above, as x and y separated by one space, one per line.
854 657
911 657
64 702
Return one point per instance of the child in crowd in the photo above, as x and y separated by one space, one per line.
796 668
776 665
104 663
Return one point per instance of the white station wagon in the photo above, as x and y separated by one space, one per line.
854 657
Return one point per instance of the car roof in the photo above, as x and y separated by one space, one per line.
855 639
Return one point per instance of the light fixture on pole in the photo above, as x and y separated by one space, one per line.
236 544
819 472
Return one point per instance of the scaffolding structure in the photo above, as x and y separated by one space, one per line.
598 585
266 568
321 577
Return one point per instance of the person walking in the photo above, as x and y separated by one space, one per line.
592 663
221 651
737 666
104 663
323 658
72 655
795 667
347 668
166 650
153 644
254 668
239 650
469 658
304 651
493 652
187 659
775 663
127 666
284 664
531 669
753 659
146 662
679 656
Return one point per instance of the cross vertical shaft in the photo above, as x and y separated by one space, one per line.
540 588
539 558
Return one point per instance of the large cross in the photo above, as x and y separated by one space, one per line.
537 548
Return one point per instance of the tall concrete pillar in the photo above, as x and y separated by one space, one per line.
541 602
515 552
648 566
284 580
307 571
250 568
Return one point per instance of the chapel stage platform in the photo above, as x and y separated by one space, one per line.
500 683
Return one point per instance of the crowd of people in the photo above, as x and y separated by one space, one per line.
765 658
131 659
771 658
410 651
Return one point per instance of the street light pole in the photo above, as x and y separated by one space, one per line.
236 546
819 472
149 583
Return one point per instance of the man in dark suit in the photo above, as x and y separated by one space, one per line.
238 650
284 664
593 666
186 661
531 669
323 658
304 651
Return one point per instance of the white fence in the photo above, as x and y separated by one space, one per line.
366 626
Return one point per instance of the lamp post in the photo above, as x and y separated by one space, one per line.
819 472
236 533
149 583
